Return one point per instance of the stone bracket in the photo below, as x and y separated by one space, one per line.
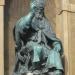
65 6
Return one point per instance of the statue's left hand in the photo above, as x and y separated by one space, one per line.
57 46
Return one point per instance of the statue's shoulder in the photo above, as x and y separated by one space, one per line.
21 21
24 20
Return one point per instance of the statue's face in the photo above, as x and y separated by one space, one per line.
38 12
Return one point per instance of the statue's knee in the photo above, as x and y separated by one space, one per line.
58 72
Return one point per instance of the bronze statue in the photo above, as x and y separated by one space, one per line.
37 48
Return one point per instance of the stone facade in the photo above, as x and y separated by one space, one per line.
63 21
66 31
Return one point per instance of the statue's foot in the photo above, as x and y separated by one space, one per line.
57 72
36 72
29 74
51 73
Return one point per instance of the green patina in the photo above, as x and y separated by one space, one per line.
38 50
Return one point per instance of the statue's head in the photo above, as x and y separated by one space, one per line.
37 4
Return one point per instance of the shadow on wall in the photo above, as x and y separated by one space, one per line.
6 47
14 9
65 65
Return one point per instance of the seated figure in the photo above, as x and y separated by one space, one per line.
37 48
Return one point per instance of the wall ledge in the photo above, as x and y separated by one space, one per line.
2 2
64 6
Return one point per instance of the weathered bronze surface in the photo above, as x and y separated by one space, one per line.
37 48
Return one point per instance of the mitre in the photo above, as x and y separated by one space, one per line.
38 3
